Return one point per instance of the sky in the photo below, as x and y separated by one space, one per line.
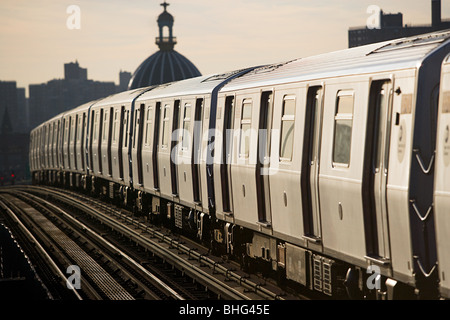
217 36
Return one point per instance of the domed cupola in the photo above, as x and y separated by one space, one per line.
165 65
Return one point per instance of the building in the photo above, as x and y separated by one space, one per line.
14 101
74 71
58 95
391 27
13 152
165 65
124 80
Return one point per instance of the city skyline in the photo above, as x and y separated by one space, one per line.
216 36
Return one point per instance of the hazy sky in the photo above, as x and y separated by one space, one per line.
216 35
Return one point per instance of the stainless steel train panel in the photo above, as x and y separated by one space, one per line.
342 154
188 150
397 185
245 179
204 149
109 149
164 148
149 150
442 185
285 162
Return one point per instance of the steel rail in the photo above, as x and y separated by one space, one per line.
115 250
199 274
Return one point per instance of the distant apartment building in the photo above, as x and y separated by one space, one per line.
49 99
14 103
391 27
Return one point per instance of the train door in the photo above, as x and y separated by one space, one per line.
196 146
375 174
173 146
104 141
311 164
120 142
139 127
82 141
75 142
99 142
263 162
56 146
109 140
124 168
225 166
155 146
91 141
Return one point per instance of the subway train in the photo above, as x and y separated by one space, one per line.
328 172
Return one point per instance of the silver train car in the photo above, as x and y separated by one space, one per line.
328 172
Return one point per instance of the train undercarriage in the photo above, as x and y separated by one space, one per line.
290 265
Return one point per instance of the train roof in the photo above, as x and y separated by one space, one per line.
384 56
122 97
78 109
193 86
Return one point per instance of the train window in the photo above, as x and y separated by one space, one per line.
148 125
343 123
165 131
186 126
287 128
246 123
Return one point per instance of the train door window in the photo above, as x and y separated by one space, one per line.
343 123
95 129
166 127
114 129
149 121
246 123
79 129
55 133
66 131
186 127
105 122
72 130
287 128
